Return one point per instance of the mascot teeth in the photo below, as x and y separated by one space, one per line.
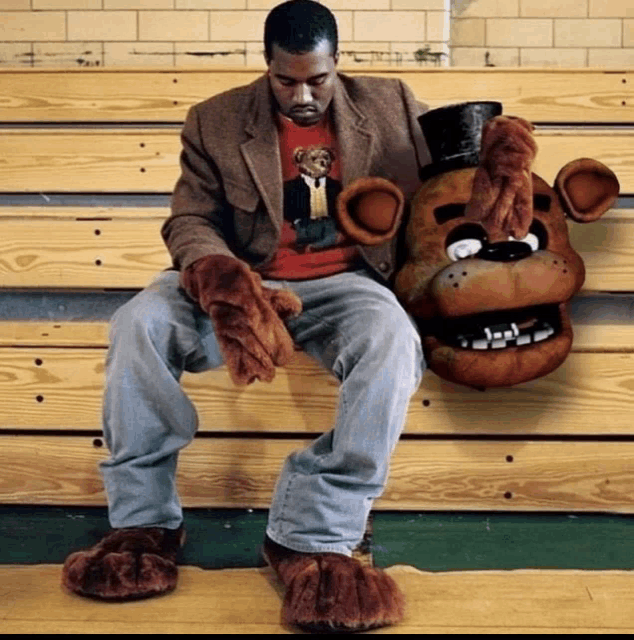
509 339
501 336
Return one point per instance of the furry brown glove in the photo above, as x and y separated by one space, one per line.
247 317
502 195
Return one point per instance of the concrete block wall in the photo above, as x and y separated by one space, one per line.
542 33
208 33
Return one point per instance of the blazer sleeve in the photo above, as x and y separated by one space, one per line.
196 226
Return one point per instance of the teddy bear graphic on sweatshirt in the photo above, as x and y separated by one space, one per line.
309 199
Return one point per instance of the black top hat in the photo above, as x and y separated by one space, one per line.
454 134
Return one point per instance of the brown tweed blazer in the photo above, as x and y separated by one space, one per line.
228 199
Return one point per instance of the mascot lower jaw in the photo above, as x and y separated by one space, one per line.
483 364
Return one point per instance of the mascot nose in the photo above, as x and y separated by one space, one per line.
505 251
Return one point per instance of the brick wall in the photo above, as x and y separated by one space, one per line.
191 33
550 33
543 33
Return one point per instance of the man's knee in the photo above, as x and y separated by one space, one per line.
158 305
386 338
146 313
388 326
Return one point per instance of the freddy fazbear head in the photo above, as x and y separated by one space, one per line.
489 266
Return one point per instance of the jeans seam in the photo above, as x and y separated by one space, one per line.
281 515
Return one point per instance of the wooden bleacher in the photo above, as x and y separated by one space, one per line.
561 443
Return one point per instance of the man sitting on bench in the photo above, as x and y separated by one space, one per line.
261 264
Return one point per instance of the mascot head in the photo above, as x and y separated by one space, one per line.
489 266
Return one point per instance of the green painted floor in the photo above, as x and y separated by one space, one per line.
222 538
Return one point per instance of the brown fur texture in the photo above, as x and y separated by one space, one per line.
453 298
370 210
127 564
502 195
329 592
248 318
587 189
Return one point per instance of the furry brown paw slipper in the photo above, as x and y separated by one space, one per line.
127 564
329 592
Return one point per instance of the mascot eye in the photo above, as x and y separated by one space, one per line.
463 249
537 237
531 240
465 241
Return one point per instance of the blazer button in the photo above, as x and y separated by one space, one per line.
384 266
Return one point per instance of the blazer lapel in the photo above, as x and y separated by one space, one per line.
262 152
354 139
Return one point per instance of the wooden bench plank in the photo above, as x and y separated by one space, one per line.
97 213
53 334
557 147
124 95
427 475
89 160
146 160
87 213
613 338
52 389
63 388
69 253
607 337
128 253
539 95
248 601
607 249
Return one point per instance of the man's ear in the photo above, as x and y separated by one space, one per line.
336 57
587 189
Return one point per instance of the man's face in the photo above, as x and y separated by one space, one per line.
303 83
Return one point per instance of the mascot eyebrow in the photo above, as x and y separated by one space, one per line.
449 211
446 212
541 202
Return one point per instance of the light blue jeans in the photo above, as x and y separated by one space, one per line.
350 323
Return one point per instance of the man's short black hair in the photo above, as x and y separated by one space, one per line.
298 26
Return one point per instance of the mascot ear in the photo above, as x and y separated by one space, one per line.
587 189
370 210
